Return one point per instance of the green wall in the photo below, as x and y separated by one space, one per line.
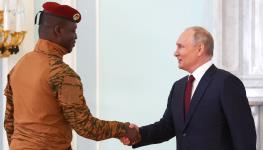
137 66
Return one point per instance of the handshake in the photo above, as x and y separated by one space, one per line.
132 135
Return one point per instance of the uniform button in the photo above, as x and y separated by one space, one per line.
184 134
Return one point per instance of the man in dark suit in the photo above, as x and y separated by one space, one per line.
207 110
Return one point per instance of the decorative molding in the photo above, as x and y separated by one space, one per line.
258 30
252 81
238 39
238 49
231 36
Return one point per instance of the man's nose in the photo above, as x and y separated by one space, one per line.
176 54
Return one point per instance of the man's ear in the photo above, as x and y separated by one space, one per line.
57 30
201 48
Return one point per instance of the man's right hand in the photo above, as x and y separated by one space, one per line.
132 136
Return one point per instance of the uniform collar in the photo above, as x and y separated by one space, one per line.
50 48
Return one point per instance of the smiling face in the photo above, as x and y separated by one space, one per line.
187 51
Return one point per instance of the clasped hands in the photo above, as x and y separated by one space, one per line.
132 135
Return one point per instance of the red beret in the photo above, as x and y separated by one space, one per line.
63 11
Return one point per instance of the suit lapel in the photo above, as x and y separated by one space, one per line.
199 92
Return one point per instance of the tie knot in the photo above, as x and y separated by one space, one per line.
191 78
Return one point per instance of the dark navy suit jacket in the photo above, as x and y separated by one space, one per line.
219 118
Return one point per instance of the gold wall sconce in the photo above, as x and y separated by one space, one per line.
12 32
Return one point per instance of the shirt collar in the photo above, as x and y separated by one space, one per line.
50 48
200 71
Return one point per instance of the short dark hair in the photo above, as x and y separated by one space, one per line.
47 21
201 35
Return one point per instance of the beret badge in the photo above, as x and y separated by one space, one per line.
76 17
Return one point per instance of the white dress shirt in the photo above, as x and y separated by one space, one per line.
198 74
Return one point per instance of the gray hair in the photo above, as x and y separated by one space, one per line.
201 35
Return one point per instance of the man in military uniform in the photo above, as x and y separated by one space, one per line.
45 96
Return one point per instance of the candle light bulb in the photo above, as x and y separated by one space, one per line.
6 16
19 16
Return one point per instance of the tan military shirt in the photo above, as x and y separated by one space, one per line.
45 102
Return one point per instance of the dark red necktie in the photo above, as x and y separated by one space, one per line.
187 95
